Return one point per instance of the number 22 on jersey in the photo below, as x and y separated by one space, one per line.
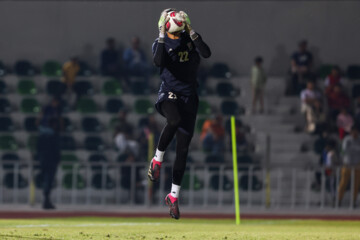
184 56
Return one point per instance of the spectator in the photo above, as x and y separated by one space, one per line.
212 135
351 161
309 98
48 147
315 118
150 126
301 64
135 61
337 100
70 70
344 123
109 62
258 81
333 79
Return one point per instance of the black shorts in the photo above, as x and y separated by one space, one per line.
187 107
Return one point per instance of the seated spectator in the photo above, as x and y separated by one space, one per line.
135 61
344 122
213 134
110 60
315 118
309 97
337 100
333 79
301 66
258 81
70 70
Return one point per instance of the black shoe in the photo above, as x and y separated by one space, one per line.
173 204
154 170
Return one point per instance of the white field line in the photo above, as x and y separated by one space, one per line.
89 225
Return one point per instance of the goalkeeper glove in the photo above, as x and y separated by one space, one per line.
188 28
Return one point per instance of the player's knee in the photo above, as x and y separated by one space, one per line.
174 122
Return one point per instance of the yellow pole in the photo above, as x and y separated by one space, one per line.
235 171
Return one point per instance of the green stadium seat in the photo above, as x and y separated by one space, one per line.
8 143
52 69
3 87
68 160
32 143
85 69
24 68
83 88
353 72
144 106
10 180
214 183
198 185
91 124
10 159
220 70
68 179
114 105
137 88
244 183
55 88
30 124
6 124
93 143
324 70
68 125
5 106
30 105
204 108
199 124
97 181
224 89
113 123
86 105
67 143
112 88
96 158
26 87
231 108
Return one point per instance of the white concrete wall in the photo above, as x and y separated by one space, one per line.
236 31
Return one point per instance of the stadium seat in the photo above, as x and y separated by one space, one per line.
55 88
238 123
220 70
91 124
86 105
225 89
227 184
30 124
231 108
30 105
144 106
114 105
204 108
10 159
244 161
68 125
6 124
83 88
32 143
3 87
244 183
52 69
97 181
5 106
214 158
67 143
67 161
198 185
353 72
324 70
356 91
199 124
24 68
85 69
3 70
137 88
93 143
96 158
8 143
26 87
112 88
10 180
68 181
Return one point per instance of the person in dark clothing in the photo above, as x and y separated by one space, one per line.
177 54
110 58
48 147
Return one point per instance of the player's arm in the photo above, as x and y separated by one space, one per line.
159 52
200 45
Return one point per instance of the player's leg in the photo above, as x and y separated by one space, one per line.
344 181
173 119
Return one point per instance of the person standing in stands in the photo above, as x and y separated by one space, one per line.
258 81
48 147
110 59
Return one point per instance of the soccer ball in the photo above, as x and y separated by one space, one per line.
176 23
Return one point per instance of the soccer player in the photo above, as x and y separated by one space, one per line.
178 57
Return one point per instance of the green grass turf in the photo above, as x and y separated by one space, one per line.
146 228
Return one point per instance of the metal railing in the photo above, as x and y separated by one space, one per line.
203 185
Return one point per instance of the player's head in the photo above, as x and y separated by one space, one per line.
135 42
110 43
303 45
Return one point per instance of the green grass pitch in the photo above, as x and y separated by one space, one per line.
146 228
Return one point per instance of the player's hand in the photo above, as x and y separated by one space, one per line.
163 17
185 17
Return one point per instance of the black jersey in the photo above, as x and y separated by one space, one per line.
179 61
